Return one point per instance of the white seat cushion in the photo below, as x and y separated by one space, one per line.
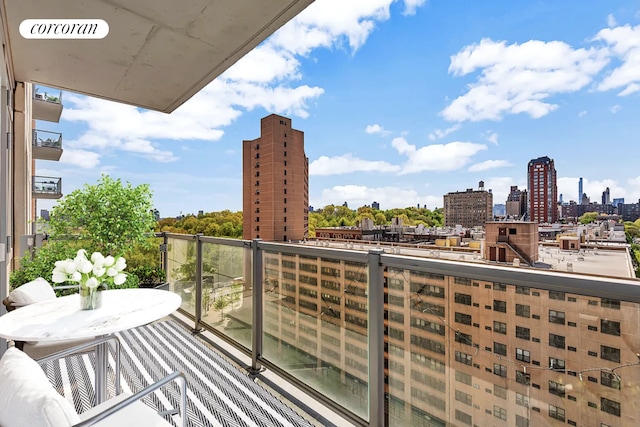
137 414
35 291
27 398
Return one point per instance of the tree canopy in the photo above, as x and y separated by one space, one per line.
110 217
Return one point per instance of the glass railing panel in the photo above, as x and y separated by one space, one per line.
226 298
47 185
46 139
181 271
315 324
474 352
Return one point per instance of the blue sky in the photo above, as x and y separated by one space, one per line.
401 101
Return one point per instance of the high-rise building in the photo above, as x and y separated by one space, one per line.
543 190
275 181
375 205
606 197
516 202
580 192
468 208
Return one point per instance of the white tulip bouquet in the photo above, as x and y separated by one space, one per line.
90 274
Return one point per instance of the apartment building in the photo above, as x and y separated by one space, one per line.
543 190
275 183
459 350
468 208
516 205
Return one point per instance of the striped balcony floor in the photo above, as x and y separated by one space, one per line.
218 393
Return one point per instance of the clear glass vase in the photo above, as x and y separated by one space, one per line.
90 298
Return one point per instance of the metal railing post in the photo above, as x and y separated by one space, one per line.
376 338
198 282
165 255
257 314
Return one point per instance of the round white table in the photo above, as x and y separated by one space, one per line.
62 319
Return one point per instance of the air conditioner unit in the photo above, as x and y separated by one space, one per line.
39 96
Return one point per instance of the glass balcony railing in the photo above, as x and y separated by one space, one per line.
387 339
46 187
47 145
47 106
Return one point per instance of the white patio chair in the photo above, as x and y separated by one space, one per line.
30 293
27 398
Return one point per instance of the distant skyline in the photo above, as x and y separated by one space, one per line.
401 102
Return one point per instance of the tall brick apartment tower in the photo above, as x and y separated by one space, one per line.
543 190
275 183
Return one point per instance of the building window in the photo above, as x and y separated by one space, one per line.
464 358
523 290
499 287
523 333
463 377
500 392
285 163
556 388
557 295
500 348
464 338
610 406
285 172
500 327
522 421
285 143
522 400
610 353
500 306
523 310
523 355
557 413
463 318
609 379
462 299
499 412
285 228
556 317
464 418
285 200
463 397
500 370
610 303
556 341
610 327
556 364
522 378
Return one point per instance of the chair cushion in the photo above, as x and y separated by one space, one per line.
35 291
27 398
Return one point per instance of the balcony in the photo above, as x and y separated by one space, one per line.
385 339
47 145
46 187
47 107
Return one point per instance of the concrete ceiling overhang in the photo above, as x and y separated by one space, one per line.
158 53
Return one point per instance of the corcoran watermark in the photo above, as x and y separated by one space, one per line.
64 29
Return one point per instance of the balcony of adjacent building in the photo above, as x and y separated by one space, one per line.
47 106
47 187
47 145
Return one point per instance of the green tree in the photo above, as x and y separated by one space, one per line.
588 217
380 219
220 303
110 217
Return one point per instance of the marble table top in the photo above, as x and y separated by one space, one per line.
62 319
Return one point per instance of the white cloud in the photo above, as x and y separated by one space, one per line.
633 195
436 157
582 113
346 163
624 43
410 6
360 195
519 78
229 151
492 137
615 109
611 21
568 187
489 164
376 128
500 186
439 133
81 158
